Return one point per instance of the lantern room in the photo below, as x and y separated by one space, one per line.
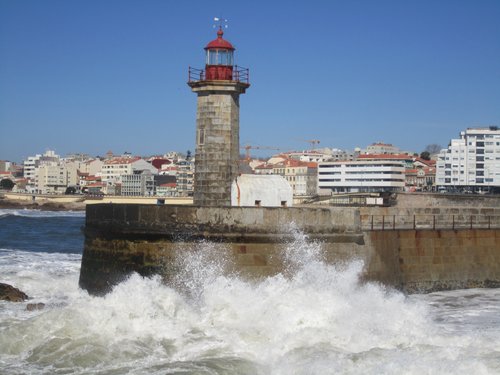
219 64
219 59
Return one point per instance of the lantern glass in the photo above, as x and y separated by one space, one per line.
219 57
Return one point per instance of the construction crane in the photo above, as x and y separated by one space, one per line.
313 142
248 148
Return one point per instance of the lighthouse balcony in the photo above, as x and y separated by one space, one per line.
219 73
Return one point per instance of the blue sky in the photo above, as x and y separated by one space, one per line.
92 76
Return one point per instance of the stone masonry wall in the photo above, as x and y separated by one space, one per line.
217 141
438 200
432 260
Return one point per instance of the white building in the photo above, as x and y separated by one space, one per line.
5 166
309 156
51 178
92 167
381 148
340 155
360 176
113 169
471 163
33 162
261 190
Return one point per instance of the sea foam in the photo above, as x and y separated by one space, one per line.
315 318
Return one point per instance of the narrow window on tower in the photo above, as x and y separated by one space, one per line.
201 137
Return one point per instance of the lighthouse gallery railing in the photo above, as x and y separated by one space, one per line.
240 74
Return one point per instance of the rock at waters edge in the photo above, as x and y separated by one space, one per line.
35 306
9 293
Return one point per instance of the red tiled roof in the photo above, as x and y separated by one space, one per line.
264 166
92 178
381 144
297 163
426 162
169 184
158 163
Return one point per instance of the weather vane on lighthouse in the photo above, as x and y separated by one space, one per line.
221 22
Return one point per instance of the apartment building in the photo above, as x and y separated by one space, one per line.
55 178
340 155
92 167
185 177
383 148
360 176
33 162
5 166
420 179
114 168
138 184
472 162
407 159
300 175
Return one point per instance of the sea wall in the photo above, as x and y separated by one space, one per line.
433 260
438 200
120 239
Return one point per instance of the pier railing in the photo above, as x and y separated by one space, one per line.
429 222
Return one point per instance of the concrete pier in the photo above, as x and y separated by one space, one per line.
125 238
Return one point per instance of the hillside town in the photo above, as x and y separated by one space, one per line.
470 164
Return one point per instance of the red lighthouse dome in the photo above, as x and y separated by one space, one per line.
220 43
219 59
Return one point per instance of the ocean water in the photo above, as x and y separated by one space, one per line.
314 319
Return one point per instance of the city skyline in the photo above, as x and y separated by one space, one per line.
93 76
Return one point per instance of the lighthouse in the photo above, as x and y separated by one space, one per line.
218 88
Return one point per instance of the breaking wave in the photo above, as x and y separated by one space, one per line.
315 318
39 213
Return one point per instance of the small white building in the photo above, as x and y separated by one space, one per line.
261 190
360 176
309 156
168 189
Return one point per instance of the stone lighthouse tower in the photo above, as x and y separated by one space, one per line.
218 87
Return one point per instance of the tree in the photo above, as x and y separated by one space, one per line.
6 184
70 190
433 148
425 155
188 155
